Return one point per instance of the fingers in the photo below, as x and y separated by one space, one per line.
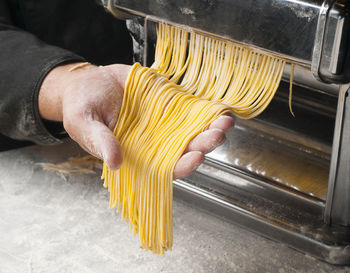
224 123
187 164
194 154
97 139
204 143
207 141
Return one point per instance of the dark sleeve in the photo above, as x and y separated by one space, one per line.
24 62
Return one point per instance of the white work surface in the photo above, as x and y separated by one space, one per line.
49 224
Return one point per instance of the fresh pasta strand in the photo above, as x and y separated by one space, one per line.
291 89
193 80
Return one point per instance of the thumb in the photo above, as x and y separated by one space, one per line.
96 138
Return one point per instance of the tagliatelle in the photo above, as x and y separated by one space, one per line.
164 107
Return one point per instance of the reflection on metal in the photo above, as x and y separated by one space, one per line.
337 211
268 156
330 62
303 77
335 65
291 221
319 38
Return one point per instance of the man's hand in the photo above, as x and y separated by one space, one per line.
88 101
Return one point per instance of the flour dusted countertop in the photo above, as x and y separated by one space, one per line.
52 223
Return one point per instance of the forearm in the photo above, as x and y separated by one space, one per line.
25 61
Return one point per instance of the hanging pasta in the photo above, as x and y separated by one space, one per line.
189 85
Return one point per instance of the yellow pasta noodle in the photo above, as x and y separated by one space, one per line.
194 80
291 89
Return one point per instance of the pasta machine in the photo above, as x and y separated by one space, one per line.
285 177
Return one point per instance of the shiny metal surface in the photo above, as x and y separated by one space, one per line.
267 153
337 211
285 27
303 77
309 32
336 64
335 155
287 152
334 48
301 229
319 38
